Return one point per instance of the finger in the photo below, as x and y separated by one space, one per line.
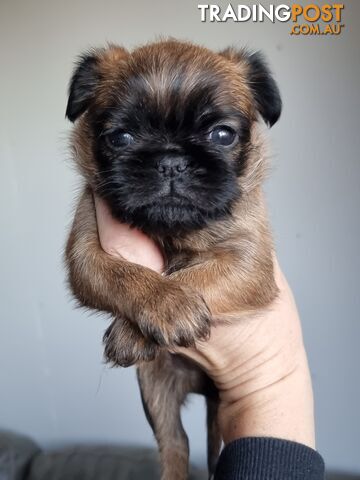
197 354
119 239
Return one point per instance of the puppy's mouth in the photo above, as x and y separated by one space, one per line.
173 199
170 214
173 215
172 206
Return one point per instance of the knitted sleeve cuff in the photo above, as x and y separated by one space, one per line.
269 459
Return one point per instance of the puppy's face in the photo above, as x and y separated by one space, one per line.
168 128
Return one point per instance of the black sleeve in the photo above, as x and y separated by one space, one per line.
269 459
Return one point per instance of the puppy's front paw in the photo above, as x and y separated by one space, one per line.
174 316
125 345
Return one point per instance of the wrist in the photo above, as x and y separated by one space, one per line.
281 407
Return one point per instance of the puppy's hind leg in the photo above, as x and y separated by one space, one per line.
214 438
163 392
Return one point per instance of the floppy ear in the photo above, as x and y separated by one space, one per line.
261 82
82 85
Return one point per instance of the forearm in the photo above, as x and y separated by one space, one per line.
101 281
128 290
227 282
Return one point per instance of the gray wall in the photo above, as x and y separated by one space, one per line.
53 384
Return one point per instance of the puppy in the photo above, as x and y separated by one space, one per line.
169 136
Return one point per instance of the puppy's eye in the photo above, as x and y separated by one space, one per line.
120 139
223 135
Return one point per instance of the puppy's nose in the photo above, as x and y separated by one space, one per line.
172 165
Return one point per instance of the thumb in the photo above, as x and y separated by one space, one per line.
119 239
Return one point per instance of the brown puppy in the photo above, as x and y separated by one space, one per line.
169 136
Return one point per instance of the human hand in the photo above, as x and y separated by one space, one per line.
119 239
260 368
258 363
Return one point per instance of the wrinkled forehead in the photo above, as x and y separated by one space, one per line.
158 88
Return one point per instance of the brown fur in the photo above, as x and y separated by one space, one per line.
218 273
